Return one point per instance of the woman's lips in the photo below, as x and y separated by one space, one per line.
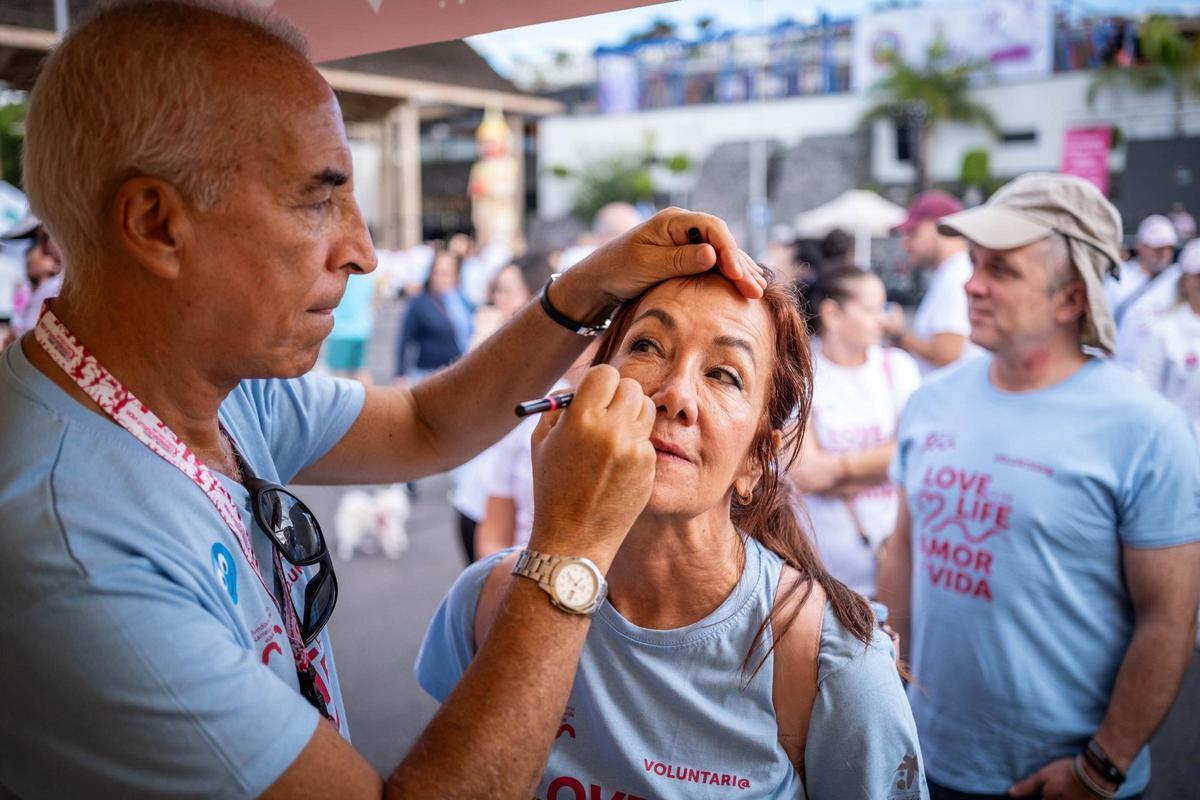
669 452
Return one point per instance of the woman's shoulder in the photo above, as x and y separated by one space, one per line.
496 575
848 659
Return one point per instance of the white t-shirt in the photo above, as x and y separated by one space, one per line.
1134 330
509 474
1117 290
1170 360
943 309
468 494
856 409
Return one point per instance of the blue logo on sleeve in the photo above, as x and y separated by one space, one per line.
226 569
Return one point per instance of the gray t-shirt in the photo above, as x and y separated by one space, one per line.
668 714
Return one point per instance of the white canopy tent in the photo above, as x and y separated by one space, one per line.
859 211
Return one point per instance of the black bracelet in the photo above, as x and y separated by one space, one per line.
1098 760
579 328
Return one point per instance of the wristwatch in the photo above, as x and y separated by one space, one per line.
574 584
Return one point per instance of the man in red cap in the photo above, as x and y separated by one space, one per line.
938 333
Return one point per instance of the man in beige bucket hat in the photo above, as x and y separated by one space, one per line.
1045 567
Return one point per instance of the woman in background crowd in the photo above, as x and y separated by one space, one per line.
513 287
506 478
437 323
859 389
1170 359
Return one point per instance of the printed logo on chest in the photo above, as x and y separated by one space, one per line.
956 513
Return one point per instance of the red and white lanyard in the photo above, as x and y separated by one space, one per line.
128 412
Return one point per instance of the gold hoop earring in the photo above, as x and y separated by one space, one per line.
744 499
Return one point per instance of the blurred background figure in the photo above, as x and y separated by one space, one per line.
940 329
494 183
437 323
43 276
859 389
1184 222
480 265
514 286
353 324
837 250
1169 361
507 477
1154 250
611 221
1154 281
782 252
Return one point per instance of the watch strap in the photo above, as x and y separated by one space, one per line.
539 567
536 566
578 328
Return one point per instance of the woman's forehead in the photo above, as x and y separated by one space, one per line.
710 304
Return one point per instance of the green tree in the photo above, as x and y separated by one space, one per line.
925 96
976 169
621 178
1169 60
12 140
661 28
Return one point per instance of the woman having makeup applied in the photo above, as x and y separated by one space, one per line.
725 662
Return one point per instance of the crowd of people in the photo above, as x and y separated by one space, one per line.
786 541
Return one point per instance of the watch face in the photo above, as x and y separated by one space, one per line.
575 586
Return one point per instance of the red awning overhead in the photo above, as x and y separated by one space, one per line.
343 28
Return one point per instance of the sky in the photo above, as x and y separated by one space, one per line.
538 43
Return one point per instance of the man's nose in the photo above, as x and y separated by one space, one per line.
356 250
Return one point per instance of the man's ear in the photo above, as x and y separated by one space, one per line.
1075 302
152 221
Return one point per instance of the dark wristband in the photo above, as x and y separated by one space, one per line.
1098 760
580 328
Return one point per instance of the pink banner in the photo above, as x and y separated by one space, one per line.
1085 154
343 28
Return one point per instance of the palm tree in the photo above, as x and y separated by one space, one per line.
926 96
1170 60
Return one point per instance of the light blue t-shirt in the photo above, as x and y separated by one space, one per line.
141 656
1020 505
667 713
354 316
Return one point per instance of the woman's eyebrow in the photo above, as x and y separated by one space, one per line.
741 344
657 313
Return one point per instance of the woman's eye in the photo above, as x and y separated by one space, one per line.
643 346
728 376
321 206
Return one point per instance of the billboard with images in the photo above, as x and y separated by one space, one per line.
1015 37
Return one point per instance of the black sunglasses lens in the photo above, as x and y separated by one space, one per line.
319 599
307 542
292 526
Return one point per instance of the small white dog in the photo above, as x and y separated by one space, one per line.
380 517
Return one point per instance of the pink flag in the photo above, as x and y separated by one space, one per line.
1085 154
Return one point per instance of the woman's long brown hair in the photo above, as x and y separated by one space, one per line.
769 517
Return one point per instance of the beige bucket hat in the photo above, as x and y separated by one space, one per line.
1033 206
